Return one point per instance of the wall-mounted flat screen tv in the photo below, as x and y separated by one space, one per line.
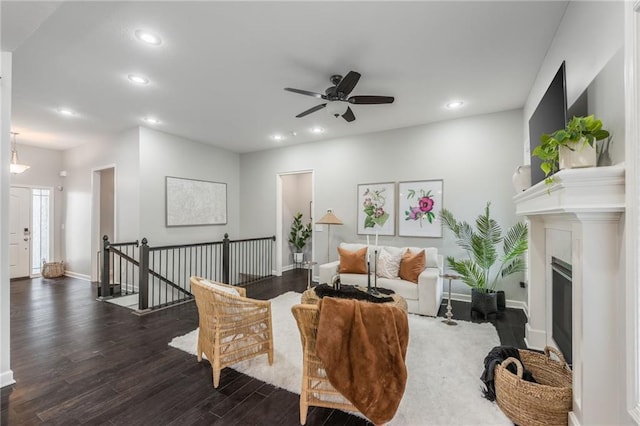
549 116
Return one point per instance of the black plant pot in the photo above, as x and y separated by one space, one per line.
484 303
502 300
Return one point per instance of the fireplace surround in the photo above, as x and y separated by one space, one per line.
561 306
579 220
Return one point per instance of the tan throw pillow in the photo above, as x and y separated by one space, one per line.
353 262
388 264
412 265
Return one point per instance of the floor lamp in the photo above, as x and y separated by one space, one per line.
329 219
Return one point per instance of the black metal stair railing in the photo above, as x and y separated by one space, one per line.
118 266
164 272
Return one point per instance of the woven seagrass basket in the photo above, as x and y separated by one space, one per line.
52 269
546 402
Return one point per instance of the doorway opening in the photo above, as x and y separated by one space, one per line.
294 194
103 213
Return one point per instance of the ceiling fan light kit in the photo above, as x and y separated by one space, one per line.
338 99
337 108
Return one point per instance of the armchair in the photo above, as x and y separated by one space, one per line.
232 327
316 389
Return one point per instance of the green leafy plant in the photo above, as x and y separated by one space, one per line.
299 233
588 129
481 245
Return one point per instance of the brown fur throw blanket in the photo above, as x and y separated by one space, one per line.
363 348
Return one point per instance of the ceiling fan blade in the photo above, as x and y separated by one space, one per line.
371 99
348 115
306 92
348 82
310 110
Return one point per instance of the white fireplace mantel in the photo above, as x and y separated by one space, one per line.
578 219
588 190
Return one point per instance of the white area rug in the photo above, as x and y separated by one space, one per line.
130 301
444 365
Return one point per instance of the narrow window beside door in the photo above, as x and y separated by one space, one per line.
40 229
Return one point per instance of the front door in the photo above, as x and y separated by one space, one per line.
19 232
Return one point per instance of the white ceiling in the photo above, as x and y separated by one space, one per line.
218 76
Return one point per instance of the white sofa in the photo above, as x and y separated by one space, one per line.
423 298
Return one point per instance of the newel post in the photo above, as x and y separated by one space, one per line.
143 299
106 267
225 259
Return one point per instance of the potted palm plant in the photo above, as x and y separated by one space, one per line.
298 236
571 147
481 245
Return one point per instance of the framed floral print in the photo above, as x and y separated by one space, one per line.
376 208
419 205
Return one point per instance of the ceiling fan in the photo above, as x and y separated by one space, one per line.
338 99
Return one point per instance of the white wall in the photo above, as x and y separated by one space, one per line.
161 155
46 165
475 157
590 35
142 159
606 101
80 243
107 202
6 375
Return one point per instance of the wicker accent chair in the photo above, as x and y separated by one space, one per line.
316 389
231 328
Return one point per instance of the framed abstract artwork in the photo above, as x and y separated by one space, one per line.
376 208
419 205
193 202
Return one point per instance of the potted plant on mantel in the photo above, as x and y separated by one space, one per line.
571 147
298 236
481 246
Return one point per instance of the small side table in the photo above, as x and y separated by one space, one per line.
309 265
449 313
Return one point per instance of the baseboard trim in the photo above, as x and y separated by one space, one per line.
77 275
457 296
292 267
518 304
535 339
573 420
6 378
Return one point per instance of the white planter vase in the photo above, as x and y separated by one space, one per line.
581 154
522 178
298 257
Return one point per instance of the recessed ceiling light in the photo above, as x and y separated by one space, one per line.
138 79
148 37
317 130
151 120
277 137
66 111
455 104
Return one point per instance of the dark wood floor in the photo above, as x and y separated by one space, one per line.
80 361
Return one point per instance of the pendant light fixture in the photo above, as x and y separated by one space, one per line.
14 166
